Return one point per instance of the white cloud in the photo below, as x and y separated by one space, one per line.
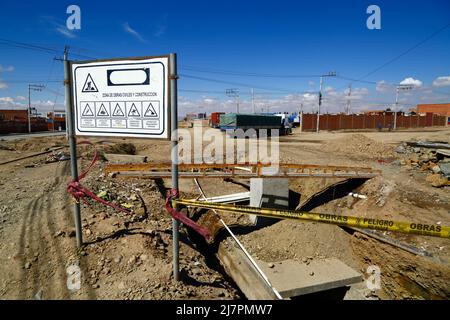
65 32
161 27
58 25
3 84
20 98
307 97
412 82
6 69
133 32
382 86
6 100
442 81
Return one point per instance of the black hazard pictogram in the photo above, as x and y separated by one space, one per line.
134 112
118 112
87 111
89 85
150 112
102 112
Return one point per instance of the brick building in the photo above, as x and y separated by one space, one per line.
442 109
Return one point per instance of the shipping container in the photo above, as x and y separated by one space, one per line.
214 122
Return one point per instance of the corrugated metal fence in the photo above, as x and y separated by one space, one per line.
363 121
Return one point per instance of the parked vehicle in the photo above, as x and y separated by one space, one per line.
234 121
214 122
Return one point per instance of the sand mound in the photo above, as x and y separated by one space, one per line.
361 146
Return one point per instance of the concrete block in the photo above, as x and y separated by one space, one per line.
268 193
293 278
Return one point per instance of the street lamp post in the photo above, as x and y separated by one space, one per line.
34 87
399 87
329 74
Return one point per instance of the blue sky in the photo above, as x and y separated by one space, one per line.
249 39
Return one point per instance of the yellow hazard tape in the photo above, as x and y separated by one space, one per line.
349 221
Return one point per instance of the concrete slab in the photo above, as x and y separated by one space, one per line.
268 193
239 267
293 278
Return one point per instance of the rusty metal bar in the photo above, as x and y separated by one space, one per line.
162 170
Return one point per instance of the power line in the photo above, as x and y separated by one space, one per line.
29 46
247 74
233 83
406 52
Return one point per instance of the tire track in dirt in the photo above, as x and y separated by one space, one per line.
31 243
45 215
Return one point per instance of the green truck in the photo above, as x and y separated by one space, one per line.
235 121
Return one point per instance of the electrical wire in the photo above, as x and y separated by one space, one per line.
246 74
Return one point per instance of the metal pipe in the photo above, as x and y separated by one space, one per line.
174 140
72 144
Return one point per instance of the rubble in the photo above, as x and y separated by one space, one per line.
424 157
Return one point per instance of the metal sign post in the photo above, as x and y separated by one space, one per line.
174 139
72 144
127 97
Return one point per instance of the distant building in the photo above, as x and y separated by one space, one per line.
56 121
16 121
374 112
442 109
13 115
195 116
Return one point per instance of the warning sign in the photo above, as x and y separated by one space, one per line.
87 110
118 110
134 112
102 112
125 97
89 85
150 112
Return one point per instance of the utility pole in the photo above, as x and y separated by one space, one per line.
234 93
34 87
399 87
349 101
253 100
329 74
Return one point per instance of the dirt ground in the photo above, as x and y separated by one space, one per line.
128 256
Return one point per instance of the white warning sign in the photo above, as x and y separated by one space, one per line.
102 111
87 110
118 110
151 111
134 112
89 85
127 97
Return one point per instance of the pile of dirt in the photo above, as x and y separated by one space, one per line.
37 144
361 146
121 148
299 241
